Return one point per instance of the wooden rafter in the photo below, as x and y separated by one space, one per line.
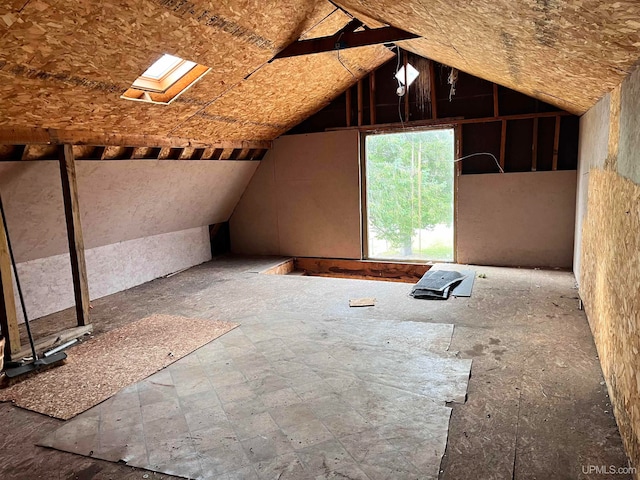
345 38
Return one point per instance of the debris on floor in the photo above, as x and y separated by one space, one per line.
362 302
437 284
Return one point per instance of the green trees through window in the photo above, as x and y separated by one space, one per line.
410 178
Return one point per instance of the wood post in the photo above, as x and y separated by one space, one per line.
534 146
372 98
432 80
556 145
348 102
74 233
503 143
8 315
496 110
360 104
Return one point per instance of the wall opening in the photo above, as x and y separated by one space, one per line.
409 195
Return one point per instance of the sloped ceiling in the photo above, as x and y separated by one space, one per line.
565 52
65 63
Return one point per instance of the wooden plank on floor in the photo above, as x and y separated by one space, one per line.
8 314
74 233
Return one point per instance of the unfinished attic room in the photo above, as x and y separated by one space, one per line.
312 239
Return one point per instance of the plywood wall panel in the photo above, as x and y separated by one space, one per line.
592 153
609 285
119 200
516 219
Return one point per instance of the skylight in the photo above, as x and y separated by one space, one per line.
162 66
165 80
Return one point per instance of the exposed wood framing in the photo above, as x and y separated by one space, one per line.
360 103
372 98
74 233
405 60
453 121
348 106
556 143
53 340
432 81
496 109
534 146
503 143
389 271
345 39
8 315
36 135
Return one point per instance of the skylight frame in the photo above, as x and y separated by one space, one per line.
168 83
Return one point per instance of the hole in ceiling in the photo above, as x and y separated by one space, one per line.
165 80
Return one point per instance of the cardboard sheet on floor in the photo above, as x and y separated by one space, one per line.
280 396
100 367
362 302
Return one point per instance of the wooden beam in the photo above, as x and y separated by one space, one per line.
496 109
433 98
345 39
74 233
372 98
534 146
406 88
503 143
452 121
556 145
348 102
44 136
360 104
8 314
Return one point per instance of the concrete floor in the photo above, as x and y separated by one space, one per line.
537 406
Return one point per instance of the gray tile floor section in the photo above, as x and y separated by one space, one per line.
283 397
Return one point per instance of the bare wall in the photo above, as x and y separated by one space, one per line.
141 219
609 269
517 219
304 199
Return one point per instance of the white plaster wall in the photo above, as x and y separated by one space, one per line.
48 288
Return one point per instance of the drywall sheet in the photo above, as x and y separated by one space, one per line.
98 368
592 152
119 200
48 286
516 219
349 388
304 200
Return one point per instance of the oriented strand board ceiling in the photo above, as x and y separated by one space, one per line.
65 63
565 52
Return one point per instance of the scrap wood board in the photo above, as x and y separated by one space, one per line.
97 369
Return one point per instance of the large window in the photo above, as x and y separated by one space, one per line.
409 195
